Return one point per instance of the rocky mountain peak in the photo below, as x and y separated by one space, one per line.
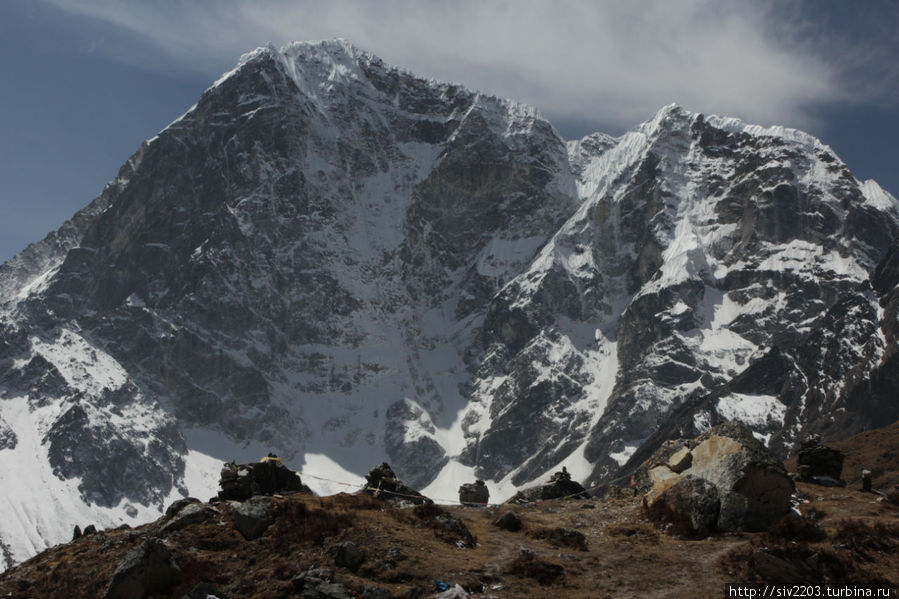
337 260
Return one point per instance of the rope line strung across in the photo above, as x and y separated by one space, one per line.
378 490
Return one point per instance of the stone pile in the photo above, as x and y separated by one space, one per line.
559 486
475 493
382 482
269 476
819 463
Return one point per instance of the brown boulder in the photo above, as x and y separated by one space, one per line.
753 487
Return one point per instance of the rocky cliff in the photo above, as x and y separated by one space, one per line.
334 259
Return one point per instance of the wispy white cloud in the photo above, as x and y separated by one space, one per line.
605 62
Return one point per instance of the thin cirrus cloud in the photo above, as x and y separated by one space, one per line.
613 63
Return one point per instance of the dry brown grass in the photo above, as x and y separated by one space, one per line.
297 523
544 572
792 528
864 538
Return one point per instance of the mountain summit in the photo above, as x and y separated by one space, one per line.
333 259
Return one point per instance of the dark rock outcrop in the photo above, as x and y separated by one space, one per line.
348 555
193 513
179 505
509 521
253 517
149 568
567 537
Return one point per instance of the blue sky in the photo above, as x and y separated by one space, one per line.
85 81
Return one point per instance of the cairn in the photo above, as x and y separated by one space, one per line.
475 493
382 482
268 476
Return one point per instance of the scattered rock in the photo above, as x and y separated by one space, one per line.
395 554
544 572
690 503
312 576
526 554
90 529
509 521
204 590
318 583
77 533
193 513
148 568
448 528
326 590
457 592
373 592
382 482
179 505
567 537
253 517
475 493
348 555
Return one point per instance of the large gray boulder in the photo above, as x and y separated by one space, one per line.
753 487
253 517
193 513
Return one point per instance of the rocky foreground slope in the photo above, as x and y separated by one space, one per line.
333 259
348 546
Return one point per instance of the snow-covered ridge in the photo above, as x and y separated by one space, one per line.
878 197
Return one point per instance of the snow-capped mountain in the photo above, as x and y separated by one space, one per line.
333 259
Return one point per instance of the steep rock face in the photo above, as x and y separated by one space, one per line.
328 256
699 243
302 260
